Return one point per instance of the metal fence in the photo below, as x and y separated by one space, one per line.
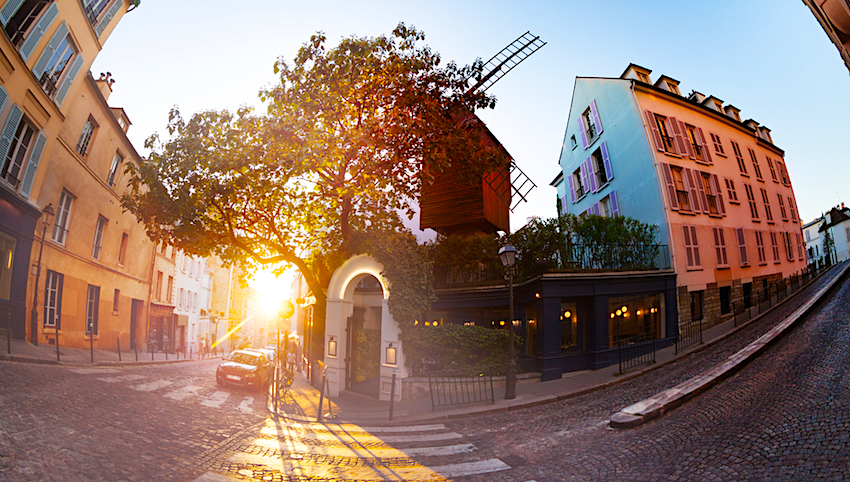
689 333
762 300
457 387
636 351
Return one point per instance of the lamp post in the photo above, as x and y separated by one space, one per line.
507 254
46 215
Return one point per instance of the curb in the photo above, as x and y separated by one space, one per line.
661 403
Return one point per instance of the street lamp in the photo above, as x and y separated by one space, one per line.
46 217
507 254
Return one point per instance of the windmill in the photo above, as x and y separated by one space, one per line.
453 205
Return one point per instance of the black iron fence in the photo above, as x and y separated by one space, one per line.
689 333
636 351
457 387
762 300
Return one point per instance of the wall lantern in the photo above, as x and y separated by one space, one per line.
391 355
332 347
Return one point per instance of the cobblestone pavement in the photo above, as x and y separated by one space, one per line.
786 416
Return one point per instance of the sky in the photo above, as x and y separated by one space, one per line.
769 58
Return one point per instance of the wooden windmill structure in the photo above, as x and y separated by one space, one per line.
452 204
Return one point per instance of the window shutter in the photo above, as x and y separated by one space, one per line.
688 249
572 189
38 32
60 281
679 137
715 184
8 10
3 97
695 246
704 145
584 180
799 245
9 131
32 166
581 131
615 205
595 114
793 209
606 161
101 26
597 210
690 186
672 197
69 79
701 188
720 247
591 174
742 246
656 136
60 35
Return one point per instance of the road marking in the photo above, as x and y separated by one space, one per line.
368 438
358 451
245 405
216 399
123 378
183 393
89 371
377 473
149 387
212 477
358 428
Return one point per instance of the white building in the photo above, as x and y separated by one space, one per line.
189 274
829 236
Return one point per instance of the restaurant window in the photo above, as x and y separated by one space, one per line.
635 318
7 252
569 328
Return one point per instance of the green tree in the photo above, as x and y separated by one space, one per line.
349 136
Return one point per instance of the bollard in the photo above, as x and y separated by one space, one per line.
392 396
151 349
166 354
119 347
136 351
321 400
190 353
9 333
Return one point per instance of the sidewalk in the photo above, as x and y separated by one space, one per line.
303 401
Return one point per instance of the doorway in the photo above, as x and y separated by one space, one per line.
363 339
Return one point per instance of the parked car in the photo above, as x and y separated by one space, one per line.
270 354
244 368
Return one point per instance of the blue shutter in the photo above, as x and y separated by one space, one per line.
9 10
606 160
101 26
581 131
615 205
9 131
3 97
58 37
572 189
68 80
596 119
38 31
591 173
32 166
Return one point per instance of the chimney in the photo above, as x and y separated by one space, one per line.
105 84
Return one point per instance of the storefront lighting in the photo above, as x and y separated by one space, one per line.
568 314
619 312
391 355
638 312
612 315
427 323
625 308
502 323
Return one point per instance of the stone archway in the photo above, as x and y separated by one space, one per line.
340 306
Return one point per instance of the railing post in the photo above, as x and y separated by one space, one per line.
392 396
118 339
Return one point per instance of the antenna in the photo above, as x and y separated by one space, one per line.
508 58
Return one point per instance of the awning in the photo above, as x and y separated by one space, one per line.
182 320
161 310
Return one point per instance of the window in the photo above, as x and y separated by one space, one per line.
113 169
53 299
783 173
663 141
754 212
92 308
185 262
169 293
181 300
98 237
98 14
115 298
697 144
643 77
740 159
774 244
573 142
63 215
760 248
589 125
800 253
692 247
94 9
158 293
122 250
725 300
712 195
673 88
809 234
782 207
772 170
683 194
696 305
86 137
21 23
793 209
742 246
718 146
195 303
767 213
731 194
578 181
22 140
605 207
756 168
600 164
569 327
789 250
58 62
720 248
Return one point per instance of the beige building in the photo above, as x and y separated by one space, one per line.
231 308
63 147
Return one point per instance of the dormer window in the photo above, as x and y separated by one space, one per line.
642 77
673 88
718 105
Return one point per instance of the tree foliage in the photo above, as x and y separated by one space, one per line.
349 135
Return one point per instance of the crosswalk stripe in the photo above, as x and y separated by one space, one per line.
149 387
245 405
358 451
368 438
357 428
471 468
216 399
123 378
182 393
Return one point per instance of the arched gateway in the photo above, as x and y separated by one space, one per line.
339 325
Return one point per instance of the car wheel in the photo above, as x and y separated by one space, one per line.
219 381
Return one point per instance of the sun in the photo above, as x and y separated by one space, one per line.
271 290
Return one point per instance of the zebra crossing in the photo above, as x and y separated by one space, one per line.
174 391
352 452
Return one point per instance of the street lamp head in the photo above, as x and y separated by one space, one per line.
507 254
47 214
